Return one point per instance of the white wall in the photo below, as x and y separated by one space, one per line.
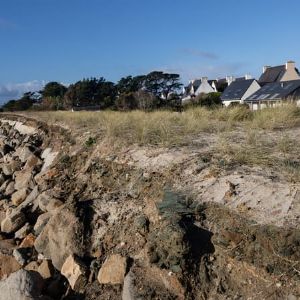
227 102
204 88
251 90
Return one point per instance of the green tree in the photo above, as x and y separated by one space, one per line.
89 92
54 89
162 84
24 103
130 84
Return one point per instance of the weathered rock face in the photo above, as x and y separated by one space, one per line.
61 237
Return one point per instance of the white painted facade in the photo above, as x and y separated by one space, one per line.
205 87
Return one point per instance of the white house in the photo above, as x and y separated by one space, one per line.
239 90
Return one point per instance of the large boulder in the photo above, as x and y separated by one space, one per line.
62 236
22 285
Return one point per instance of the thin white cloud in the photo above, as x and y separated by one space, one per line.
200 53
16 90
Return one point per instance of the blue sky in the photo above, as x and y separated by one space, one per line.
67 40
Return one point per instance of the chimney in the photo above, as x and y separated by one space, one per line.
204 79
265 68
230 79
248 76
290 65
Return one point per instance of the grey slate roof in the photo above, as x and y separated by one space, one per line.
275 91
236 90
272 74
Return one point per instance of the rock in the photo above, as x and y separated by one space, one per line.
2 179
21 255
25 129
5 149
19 196
28 241
62 236
128 288
4 185
46 269
74 271
10 188
48 157
32 266
22 285
7 246
30 198
13 221
47 203
41 223
32 162
22 232
23 179
113 270
2 215
9 168
23 153
8 265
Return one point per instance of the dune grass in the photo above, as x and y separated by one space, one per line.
241 136
168 128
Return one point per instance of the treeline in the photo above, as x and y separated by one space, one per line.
154 90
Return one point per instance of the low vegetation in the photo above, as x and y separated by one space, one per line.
237 136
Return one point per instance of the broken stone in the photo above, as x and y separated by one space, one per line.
74 271
22 285
32 266
23 179
10 168
24 129
128 292
41 223
32 162
21 255
30 198
46 269
47 203
7 246
13 221
48 157
10 188
4 186
28 241
62 236
22 232
2 179
8 265
113 270
19 196
23 153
